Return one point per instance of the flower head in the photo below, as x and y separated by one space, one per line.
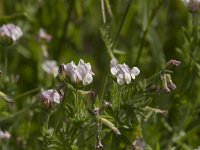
5 135
50 67
192 5
50 98
122 72
80 75
9 34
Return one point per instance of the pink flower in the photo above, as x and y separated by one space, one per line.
9 34
122 72
50 98
50 67
43 35
192 5
5 135
80 74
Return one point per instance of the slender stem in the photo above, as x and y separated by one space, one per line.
27 93
59 114
6 61
76 101
109 8
146 30
65 25
47 121
128 4
103 87
103 11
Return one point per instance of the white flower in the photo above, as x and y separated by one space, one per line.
9 34
122 72
50 67
192 5
50 97
5 135
80 74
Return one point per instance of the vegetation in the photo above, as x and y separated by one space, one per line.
107 74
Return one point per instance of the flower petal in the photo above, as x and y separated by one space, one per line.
88 79
113 62
134 72
127 77
114 71
120 79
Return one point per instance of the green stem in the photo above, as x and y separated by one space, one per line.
103 87
59 114
47 121
65 25
146 30
128 4
27 93
76 104
103 11
108 8
6 61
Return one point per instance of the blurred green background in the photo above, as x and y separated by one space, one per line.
75 29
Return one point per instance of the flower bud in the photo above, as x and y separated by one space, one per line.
50 98
170 84
167 83
110 125
172 63
9 34
164 84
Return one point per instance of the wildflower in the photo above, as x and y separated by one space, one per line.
192 5
80 75
5 135
50 67
9 34
42 35
122 72
50 98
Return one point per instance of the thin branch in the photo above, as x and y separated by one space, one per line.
128 4
103 11
59 114
146 30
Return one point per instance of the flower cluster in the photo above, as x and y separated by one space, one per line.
122 72
192 5
4 135
50 98
79 75
50 67
9 34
